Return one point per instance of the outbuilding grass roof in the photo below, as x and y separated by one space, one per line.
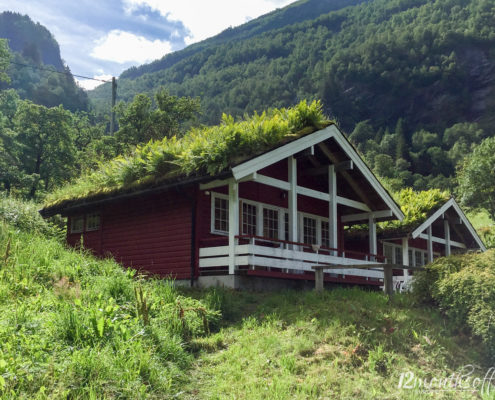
417 207
205 151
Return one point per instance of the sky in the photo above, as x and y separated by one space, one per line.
100 39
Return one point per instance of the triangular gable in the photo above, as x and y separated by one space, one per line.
249 167
437 214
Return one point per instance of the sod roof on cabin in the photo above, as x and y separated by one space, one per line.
201 153
417 207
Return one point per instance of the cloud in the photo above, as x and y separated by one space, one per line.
207 18
89 84
121 47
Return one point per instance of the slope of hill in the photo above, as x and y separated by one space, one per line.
294 13
73 326
429 63
32 45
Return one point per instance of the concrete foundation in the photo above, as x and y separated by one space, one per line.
257 283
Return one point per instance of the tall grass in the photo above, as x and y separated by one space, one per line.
72 326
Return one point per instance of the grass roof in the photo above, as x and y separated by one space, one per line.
201 152
417 207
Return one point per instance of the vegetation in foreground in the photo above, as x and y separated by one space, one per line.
463 287
75 327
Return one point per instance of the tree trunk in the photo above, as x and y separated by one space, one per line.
37 168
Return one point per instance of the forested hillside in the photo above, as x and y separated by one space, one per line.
410 69
35 58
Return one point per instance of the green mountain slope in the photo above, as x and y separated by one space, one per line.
32 45
428 62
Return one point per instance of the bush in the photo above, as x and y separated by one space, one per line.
464 288
24 215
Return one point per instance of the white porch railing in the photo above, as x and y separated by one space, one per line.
283 255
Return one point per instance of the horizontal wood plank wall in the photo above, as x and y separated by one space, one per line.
151 233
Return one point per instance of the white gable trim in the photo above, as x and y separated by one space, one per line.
451 203
354 156
271 157
281 153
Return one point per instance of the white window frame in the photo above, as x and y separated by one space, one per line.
95 227
279 212
257 221
75 218
282 211
412 260
215 195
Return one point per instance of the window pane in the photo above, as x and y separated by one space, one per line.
92 222
388 252
270 223
221 215
325 234
77 224
398 255
249 213
411 260
309 230
286 226
419 258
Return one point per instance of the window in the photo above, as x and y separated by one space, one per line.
92 222
220 214
77 224
398 255
286 226
270 223
309 231
249 213
325 234
418 258
388 252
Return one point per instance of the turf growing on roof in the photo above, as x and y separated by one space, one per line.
416 206
202 151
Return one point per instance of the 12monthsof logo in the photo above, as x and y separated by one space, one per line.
465 379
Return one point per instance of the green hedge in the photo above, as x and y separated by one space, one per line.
464 288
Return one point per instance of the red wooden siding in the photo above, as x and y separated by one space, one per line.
151 233
268 195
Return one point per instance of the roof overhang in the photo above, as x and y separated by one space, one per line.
450 204
247 168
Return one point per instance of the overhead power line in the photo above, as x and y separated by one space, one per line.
59 72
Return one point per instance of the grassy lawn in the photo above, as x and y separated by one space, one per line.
343 344
480 219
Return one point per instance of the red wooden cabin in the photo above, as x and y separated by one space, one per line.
267 218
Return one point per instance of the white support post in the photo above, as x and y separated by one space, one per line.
293 199
332 208
405 255
233 223
372 234
446 227
430 244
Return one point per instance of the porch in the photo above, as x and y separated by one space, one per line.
257 255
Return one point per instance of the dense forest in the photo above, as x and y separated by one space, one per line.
410 81
34 61
414 77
